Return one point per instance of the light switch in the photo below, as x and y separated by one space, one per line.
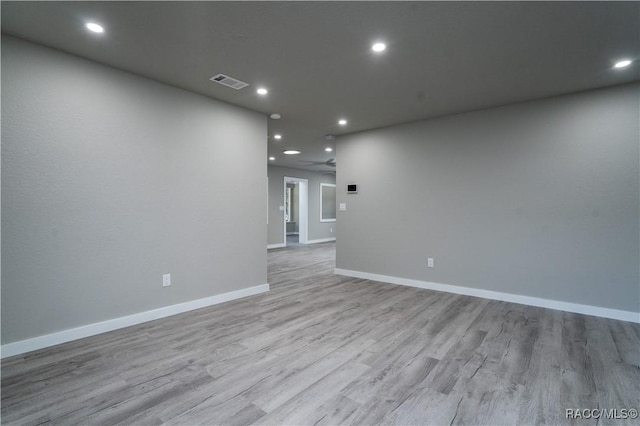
281 208
343 207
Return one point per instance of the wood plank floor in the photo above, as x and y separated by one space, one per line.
320 349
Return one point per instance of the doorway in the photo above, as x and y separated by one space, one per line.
296 208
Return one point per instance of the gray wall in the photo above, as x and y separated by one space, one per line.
110 180
537 199
317 230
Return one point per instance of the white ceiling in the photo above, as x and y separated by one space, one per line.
315 58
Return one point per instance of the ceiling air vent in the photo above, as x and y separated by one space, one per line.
225 80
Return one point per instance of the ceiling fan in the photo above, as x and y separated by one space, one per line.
331 162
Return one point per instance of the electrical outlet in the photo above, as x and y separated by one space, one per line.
166 280
430 262
331 230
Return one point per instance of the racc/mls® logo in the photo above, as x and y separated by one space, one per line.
604 413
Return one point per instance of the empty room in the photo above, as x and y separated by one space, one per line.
320 213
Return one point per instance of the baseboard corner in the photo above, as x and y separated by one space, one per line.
275 246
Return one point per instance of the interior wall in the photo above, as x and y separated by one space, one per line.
317 230
293 226
538 199
295 206
109 181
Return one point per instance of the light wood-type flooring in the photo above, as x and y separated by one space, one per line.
321 349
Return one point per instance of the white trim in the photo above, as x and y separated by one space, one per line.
495 295
303 208
275 246
16 348
321 240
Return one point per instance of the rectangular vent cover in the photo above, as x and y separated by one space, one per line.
225 80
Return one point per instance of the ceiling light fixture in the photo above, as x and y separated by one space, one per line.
342 122
262 91
277 136
92 26
272 158
291 152
378 47
275 116
623 63
328 149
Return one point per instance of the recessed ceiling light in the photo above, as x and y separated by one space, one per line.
272 158
342 122
277 136
262 91
328 149
291 152
378 47
92 26
623 63
275 116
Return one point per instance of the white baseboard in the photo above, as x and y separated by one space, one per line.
504 297
275 246
321 240
16 348
281 245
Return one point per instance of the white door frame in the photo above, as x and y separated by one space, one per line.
303 207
